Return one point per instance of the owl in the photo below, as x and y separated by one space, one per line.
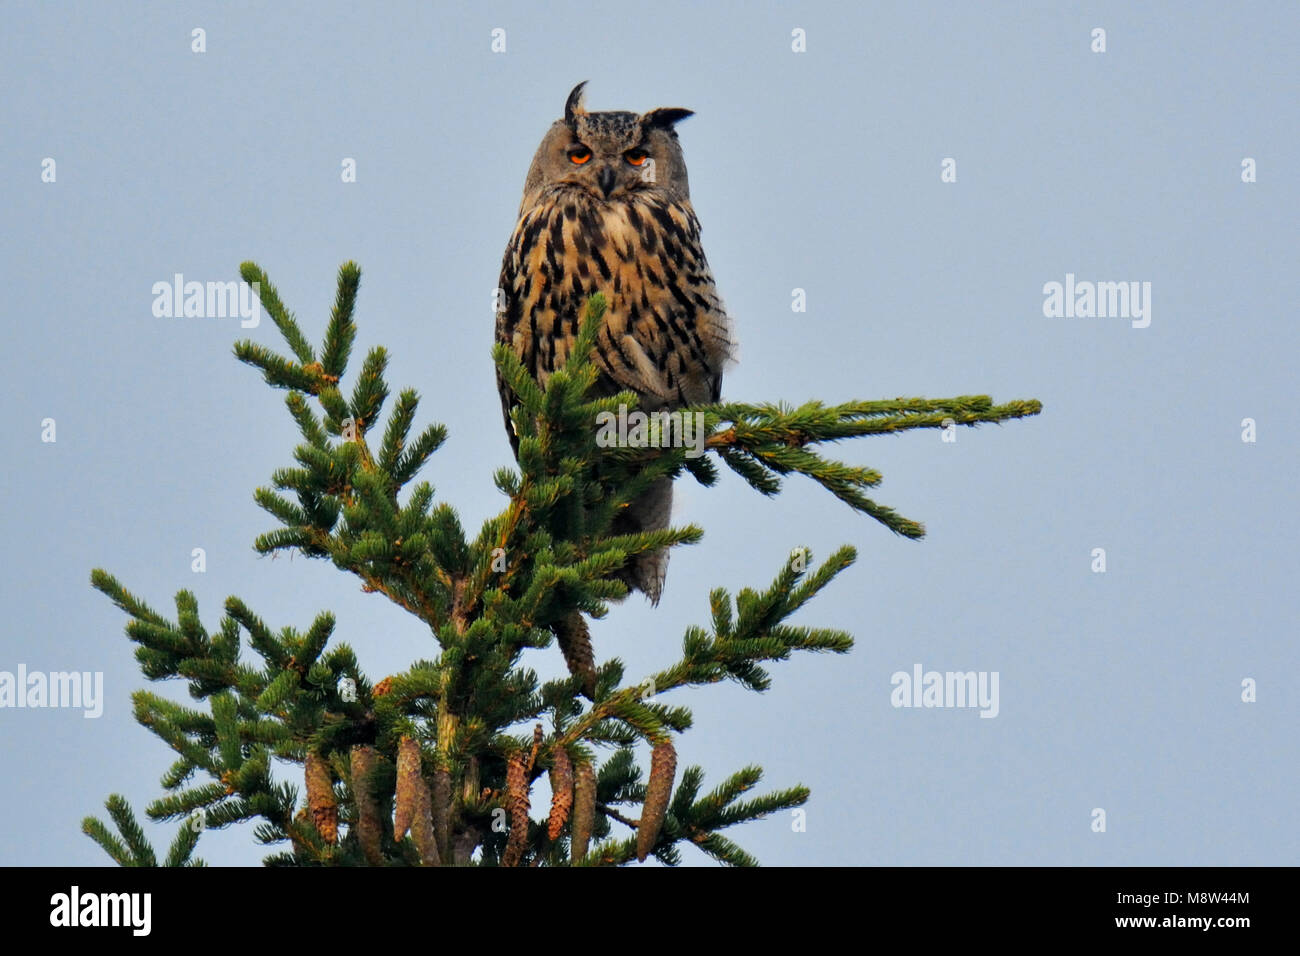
606 208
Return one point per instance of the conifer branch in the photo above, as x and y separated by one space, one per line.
436 744
130 847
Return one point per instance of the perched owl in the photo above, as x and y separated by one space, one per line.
606 209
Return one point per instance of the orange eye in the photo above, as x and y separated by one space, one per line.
636 157
579 155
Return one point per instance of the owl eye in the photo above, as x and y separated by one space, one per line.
579 155
636 157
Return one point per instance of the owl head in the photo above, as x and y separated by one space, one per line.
612 155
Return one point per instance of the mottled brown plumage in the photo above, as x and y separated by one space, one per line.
606 208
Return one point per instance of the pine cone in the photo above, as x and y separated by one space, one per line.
320 797
422 826
368 825
517 807
441 809
538 737
408 779
663 766
575 644
584 810
561 794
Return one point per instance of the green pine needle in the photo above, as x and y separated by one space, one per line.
556 552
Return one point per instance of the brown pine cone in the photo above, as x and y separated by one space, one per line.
575 644
584 810
368 825
441 810
561 794
422 826
408 779
320 797
663 766
517 807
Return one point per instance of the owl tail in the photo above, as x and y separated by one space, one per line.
650 512
575 644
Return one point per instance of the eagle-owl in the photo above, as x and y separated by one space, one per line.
606 209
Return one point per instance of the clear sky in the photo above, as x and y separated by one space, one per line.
818 171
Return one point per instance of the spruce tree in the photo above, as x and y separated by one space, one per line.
437 765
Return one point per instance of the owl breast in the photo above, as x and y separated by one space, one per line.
665 334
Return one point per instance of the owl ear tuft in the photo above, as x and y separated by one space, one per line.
666 117
573 106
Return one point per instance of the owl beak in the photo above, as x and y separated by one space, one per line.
606 180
